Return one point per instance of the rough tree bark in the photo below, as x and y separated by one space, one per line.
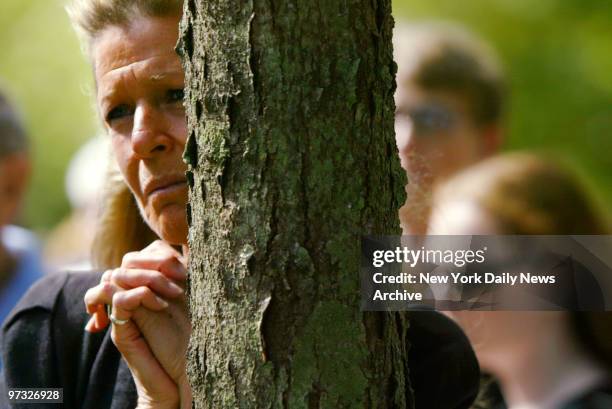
292 158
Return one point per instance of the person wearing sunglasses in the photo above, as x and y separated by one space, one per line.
449 100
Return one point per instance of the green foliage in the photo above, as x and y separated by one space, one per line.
558 60
47 75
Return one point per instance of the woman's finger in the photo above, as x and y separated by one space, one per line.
96 299
158 256
156 281
100 294
106 276
125 302
149 376
98 321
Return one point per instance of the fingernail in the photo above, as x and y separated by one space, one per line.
98 322
162 302
175 288
89 325
181 273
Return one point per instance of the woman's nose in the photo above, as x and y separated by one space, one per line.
149 135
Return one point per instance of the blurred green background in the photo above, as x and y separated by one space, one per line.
42 67
557 53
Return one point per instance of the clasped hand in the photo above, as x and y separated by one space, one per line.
148 291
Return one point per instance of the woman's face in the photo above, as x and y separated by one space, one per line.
498 337
140 82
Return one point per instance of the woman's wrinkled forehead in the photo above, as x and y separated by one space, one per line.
145 38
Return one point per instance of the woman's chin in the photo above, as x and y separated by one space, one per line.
171 225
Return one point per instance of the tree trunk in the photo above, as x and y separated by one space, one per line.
292 158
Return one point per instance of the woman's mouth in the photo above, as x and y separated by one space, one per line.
169 188
164 186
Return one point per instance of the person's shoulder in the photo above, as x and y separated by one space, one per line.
45 294
43 341
444 371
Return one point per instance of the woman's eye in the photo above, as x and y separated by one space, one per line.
175 95
118 112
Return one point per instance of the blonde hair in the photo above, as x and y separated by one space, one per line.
121 228
90 17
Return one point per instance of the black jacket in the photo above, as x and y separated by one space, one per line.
44 345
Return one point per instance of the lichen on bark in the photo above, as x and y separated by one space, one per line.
291 159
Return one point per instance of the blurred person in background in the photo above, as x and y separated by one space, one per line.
20 263
68 245
449 101
545 359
